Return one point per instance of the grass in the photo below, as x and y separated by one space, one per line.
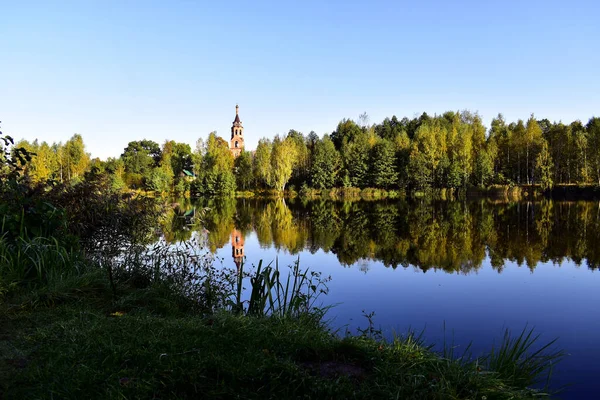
36 262
80 350
169 325
520 361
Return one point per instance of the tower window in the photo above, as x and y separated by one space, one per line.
236 144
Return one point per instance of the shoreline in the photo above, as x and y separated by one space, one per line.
510 193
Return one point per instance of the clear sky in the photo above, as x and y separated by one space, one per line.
122 70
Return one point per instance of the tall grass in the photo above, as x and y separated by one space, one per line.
36 262
522 361
272 294
185 270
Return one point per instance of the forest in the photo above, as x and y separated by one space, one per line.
453 150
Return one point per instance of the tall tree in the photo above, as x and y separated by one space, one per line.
283 159
345 132
426 154
262 162
383 161
75 159
533 143
216 174
593 133
543 166
141 156
583 174
300 173
244 174
326 164
356 160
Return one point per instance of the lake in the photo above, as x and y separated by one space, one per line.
462 271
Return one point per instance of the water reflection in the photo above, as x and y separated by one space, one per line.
438 235
469 249
237 247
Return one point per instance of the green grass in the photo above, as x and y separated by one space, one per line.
162 331
36 262
80 350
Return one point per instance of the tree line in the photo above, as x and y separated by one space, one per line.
452 150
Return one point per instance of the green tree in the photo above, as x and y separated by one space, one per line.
262 163
356 160
159 180
484 167
345 132
464 153
326 164
383 162
593 134
543 166
139 157
533 142
181 159
426 154
244 174
216 174
402 143
44 165
499 135
283 159
581 144
300 173
75 159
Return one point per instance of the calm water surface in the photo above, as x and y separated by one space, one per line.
464 270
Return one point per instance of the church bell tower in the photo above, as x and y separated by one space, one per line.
236 144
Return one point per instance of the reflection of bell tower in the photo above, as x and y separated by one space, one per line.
237 247
236 144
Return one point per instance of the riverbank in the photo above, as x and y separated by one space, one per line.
506 192
77 340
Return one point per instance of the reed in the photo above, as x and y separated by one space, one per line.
271 294
522 360
36 262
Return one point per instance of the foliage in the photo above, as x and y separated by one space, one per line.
356 161
283 160
139 157
215 177
262 163
544 167
326 164
448 151
383 163
244 173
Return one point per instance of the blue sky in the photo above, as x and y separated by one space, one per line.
116 71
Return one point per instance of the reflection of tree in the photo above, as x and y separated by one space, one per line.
326 225
288 233
218 220
353 242
453 236
544 221
263 217
175 226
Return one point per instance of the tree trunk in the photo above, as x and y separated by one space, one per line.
527 165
